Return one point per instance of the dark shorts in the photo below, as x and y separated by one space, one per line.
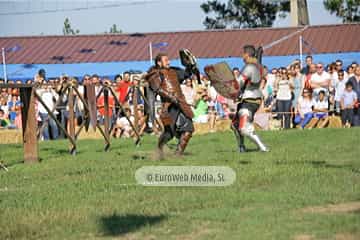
252 107
181 122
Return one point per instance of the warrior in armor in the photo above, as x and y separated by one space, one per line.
250 98
176 115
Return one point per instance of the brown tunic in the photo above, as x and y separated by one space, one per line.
167 81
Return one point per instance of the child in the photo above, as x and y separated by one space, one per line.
321 108
347 103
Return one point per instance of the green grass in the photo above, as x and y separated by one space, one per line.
93 195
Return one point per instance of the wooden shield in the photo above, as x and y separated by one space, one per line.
91 100
223 80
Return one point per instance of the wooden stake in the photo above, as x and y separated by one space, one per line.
29 125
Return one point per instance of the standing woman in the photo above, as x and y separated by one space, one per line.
283 88
297 79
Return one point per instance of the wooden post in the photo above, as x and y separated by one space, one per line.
71 119
107 120
29 125
135 103
91 101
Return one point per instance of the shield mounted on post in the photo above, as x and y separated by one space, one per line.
223 80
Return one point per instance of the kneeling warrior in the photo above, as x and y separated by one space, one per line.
176 115
250 98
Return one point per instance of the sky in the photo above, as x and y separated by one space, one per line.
24 18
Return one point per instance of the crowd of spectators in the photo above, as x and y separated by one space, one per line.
307 97
297 97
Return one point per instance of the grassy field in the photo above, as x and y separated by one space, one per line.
284 194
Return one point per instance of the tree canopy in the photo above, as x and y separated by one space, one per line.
243 13
67 29
348 10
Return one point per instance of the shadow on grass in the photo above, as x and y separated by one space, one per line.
115 224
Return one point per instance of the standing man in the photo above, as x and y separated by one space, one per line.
123 87
355 81
176 115
250 99
309 60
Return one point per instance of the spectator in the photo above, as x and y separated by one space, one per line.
40 76
332 72
123 126
226 109
95 79
158 126
49 97
355 81
236 72
306 83
188 91
117 78
304 109
347 103
141 120
216 101
123 87
269 86
201 106
306 69
61 108
339 90
131 90
350 71
14 107
321 111
4 106
297 79
101 105
283 87
320 81
338 67
4 121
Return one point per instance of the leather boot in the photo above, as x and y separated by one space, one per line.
163 139
184 140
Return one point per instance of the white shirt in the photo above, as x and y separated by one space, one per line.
305 105
270 80
189 93
5 108
124 122
320 78
336 77
284 91
48 96
339 90
321 104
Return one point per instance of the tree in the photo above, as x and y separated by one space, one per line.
114 29
67 30
348 10
243 13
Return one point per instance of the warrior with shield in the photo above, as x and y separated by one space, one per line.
176 115
245 89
